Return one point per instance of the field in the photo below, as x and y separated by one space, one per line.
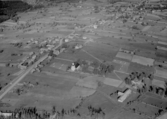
143 60
112 82
143 109
140 68
160 73
93 31
123 65
158 103
124 56
49 88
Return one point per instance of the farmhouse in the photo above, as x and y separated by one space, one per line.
143 60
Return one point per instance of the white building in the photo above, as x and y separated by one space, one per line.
123 96
66 40
75 66
5 114
78 47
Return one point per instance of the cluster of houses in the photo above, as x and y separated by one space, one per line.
27 61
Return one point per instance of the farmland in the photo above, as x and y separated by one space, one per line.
84 60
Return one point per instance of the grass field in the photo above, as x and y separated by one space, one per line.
134 67
156 102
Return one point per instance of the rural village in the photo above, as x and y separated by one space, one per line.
90 59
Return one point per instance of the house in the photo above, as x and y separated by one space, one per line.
32 71
122 96
56 52
137 83
78 46
22 66
84 37
66 40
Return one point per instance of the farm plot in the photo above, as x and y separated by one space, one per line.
162 43
143 60
140 68
123 55
158 103
124 65
78 91
112 82
122 75
6 75
160 72
49 89
89 82
76 55
101 51
128 114
143 109
60 66
145 29
117 66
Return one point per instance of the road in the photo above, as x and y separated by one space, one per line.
15 81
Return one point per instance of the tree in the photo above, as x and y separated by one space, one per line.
18 91
95 71
110 68
127 80
53 109
165 88
95 64
79 61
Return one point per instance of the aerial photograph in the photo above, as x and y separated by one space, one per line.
83 59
